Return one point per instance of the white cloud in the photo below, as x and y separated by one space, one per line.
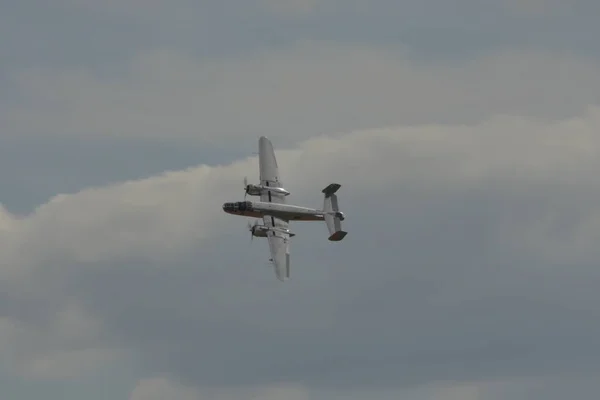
178 209
79 267
296 92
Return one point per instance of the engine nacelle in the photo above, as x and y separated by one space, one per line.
259 230
256 190
253 190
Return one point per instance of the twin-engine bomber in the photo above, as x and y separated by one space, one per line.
276 214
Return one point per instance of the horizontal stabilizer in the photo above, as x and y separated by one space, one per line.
337 236
331 189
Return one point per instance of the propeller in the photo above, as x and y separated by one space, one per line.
251 228
245 187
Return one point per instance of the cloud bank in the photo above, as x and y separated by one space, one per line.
464 135
485 237
298 92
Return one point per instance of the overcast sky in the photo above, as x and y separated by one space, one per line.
465 136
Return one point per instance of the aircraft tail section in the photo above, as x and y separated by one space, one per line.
332 214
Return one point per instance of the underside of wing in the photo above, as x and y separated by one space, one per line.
269 171
279 246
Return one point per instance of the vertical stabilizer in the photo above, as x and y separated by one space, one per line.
332 214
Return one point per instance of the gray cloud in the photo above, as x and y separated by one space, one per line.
100 34
295 94
471 267
471 258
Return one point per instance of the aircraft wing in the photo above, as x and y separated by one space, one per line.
269 171
279 245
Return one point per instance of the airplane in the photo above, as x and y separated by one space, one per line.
276 214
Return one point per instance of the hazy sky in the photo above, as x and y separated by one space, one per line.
465 137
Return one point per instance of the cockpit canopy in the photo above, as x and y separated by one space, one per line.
238 206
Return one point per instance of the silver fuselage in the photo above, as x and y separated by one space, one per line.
259 209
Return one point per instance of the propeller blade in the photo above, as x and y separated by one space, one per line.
251 229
